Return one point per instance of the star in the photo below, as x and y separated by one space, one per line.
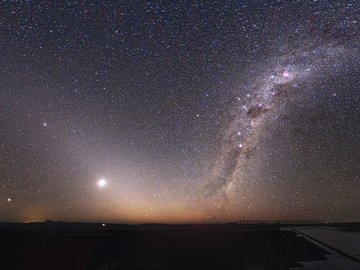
102 183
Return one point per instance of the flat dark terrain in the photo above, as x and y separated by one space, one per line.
350 227
66 246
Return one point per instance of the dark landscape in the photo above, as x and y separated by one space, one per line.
58 245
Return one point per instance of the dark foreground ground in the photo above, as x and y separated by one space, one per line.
152 247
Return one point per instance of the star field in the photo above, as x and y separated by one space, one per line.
190 112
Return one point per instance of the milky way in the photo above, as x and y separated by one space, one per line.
138 111
261 102
264 100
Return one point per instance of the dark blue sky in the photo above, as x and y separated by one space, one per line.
190 112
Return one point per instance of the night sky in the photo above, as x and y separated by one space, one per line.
139 111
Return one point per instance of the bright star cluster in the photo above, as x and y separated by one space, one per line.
137 111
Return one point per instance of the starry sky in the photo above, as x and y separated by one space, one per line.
143 111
